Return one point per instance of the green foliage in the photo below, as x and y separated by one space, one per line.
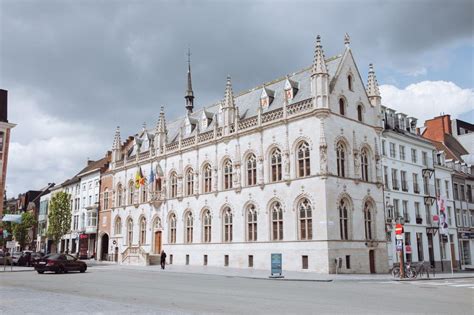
21 230
59 217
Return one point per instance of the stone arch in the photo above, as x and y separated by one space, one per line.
223 207
347 197
270 148
271 201
248 203
300 197
343 139
297 142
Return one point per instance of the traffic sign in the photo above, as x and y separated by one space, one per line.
398 229
399 237
399 245
11 244
408 249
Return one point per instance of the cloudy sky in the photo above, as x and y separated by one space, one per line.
77 69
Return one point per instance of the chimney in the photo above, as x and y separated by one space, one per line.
3 105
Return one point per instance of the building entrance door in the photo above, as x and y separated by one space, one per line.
157 242
105 247
430 249
372 260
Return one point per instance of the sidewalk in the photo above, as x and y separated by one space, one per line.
264 274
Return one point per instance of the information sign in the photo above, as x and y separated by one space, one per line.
276 264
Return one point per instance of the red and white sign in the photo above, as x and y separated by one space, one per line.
435 218
398 229
408 249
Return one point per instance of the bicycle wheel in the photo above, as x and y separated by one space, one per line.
396 272
411 273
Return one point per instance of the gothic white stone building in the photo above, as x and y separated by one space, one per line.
290 167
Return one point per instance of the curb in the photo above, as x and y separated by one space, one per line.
430 279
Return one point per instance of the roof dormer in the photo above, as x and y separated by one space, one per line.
266 98
291 88
206 119
189 125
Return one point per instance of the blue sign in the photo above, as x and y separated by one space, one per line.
276 264
399 245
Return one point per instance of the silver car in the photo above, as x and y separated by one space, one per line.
15 256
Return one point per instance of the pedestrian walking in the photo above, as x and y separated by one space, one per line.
163 259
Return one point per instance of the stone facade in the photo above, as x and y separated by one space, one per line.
290 167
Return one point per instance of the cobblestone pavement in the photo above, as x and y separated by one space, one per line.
111 289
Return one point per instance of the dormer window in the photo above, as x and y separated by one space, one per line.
266 98
291 88
206 119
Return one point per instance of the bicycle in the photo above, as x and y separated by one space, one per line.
409 272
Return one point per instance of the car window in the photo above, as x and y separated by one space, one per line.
61 257
70 258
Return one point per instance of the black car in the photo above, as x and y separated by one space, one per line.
60 263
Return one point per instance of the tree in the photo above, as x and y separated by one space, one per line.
59 217
21 230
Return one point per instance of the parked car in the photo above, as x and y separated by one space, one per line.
5 258
27 258
15 257
60 263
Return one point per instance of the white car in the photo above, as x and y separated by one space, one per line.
15 257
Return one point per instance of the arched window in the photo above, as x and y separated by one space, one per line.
207 178
349 82
227 174
118 226
131 192
227 220
173 185
251 223
303 160
142 239
275 163
189 182
189 227
359 112
130 232
206 226
368 221
364 164
341 159
106 199
157 224
144 192
119 195
343 219
342 106
305 220
277 221
172 235
251 170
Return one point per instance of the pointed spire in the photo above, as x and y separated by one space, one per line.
372 84
229 94
189 90
144 126
117 141
347 40
319 65
161 125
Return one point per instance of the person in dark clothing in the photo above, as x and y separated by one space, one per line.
163 259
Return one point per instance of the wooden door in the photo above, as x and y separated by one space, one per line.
372 261
453 257
157 242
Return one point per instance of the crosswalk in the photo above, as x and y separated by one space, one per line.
453 283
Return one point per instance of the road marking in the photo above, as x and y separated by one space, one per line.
461 285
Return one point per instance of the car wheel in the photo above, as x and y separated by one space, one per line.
83 269
40 271
60 270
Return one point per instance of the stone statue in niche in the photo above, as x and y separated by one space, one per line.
323 155
287 164
260 169
356 164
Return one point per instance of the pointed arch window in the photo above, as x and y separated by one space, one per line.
131 193
118 226
342 106
364 164
368 221
119 195
349 82
207 178
341 159
251 170
144 192
172 227
189 182
275 164
130 232
228 174
344 219
189 221
305 219
173 185
142 239
228 224
304 168
251 223
206 226
277 221
360 111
